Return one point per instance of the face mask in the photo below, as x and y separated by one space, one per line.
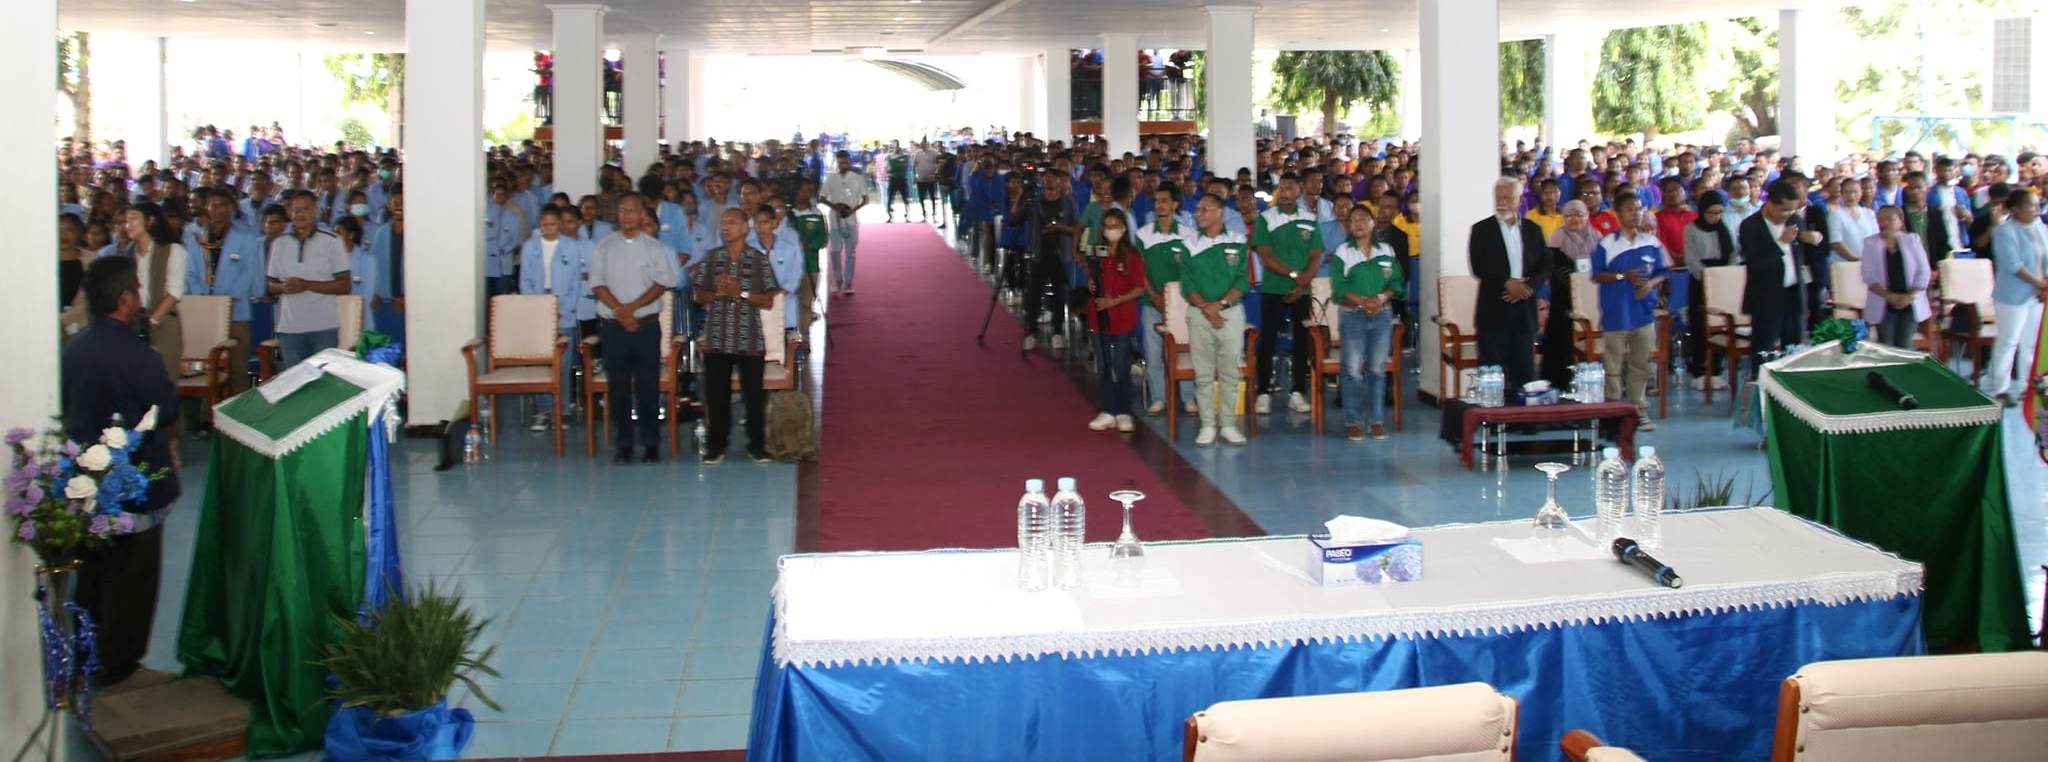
383 174
1969 171
1113 235
359 210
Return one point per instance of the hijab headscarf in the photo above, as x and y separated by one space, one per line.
1575 244
1719 229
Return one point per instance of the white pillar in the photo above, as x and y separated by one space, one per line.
28 197
148 124
1411 94
675 96
1568 86
1120 93
444 201
1806 86
1059 94
1228 66
1461 144
700 109
579 97
642 100
1028 97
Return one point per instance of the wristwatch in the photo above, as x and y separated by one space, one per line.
1291 275
746 295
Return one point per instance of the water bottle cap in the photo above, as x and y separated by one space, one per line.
1066 484
1646 451
1610 452
1034 485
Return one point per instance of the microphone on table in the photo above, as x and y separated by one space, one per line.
1891 391
1628 552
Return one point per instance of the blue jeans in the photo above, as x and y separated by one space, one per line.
1155 355
1113 373
1367 341
294 348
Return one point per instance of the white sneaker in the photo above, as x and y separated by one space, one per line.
1297 403
1205 437
540 422
1102 422
1126 424
1059 342
1191 408
1232 435
1699 383
1155 408
1720 383
1030 343
1263 405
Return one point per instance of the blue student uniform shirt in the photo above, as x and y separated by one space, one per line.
363 279
238 273
380 253
786 257
703 238
1620 310
565 269
502 231
675 231
1233 221
380 201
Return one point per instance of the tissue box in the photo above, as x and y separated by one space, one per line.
1332 564
1533 399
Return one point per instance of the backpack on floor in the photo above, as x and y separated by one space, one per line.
791 436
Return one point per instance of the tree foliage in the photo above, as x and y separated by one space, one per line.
1332 80
377 79
74 80
1521 84
1749 91
1648 80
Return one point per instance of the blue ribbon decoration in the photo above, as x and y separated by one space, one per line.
85 645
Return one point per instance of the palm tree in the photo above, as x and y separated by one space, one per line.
1333 80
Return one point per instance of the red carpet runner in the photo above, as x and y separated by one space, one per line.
928 438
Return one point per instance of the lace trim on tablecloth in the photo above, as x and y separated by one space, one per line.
1829 356
1828 590
381 387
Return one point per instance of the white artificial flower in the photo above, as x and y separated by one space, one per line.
95 458
81 488
115 437
148 422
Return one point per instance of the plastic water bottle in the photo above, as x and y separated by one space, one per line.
1070 525
1610 493
1034 538
1647 490
470 446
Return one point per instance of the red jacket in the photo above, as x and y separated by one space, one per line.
1671 224
1120 274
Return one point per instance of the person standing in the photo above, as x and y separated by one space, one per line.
362 267
1628 266
924 165
2021 243
1510 259
1896 271
387 249
504 232
899 183
813 235
1709 242
1850 223
1050 239
1774 288
1214 278
231 265
161 263
845 193
552 263
734 284
1290 250
1116 283
628 274
1164 243
108 370
307 268
1366 281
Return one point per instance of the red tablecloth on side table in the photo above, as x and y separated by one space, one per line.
1623 412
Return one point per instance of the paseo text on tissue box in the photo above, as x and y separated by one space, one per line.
1331 564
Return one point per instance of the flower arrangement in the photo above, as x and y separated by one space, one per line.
64 498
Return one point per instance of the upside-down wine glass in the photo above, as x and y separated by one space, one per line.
1552 516
1127 556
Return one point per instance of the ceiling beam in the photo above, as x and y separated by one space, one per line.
993 10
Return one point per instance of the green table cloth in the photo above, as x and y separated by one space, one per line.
280 555
1927 484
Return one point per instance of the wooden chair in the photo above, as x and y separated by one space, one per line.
1586 329
1180 363
1847 291
1967 282
1727 328
1457 305
1581 746
1468 722
1326 330
596 384
524 356
1964 706
351 307
204 371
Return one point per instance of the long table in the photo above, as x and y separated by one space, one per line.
890 656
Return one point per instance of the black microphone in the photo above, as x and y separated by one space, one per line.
1628 552
1891 391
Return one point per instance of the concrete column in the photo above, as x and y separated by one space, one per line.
1227 65
1806 86
675 96
1029 95
1120 93
1059 94
579 97
1568 86
1411 94
700 109
444 200
147 128
28 198
1461 138
642 94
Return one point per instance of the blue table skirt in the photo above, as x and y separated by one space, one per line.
1699 688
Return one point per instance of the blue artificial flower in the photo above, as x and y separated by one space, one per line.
1368 570
1404 563
123 485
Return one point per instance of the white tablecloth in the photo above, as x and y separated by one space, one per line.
964 604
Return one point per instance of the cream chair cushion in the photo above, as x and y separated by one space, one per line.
1322 309
1469 722
1586 298
774 324
1611 754
205 321
523 327
1176 313
351 307
1457 302
1724 291
1846 283
1967 281
1964 707
517 374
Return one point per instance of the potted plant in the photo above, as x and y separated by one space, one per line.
392 675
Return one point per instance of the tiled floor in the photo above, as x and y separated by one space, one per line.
628 602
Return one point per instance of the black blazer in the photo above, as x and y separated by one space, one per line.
1764 264
1489 255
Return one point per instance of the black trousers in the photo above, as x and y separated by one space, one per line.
117 584
1045 289
1510 344
1274 313
632 367
717 386
1773 329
